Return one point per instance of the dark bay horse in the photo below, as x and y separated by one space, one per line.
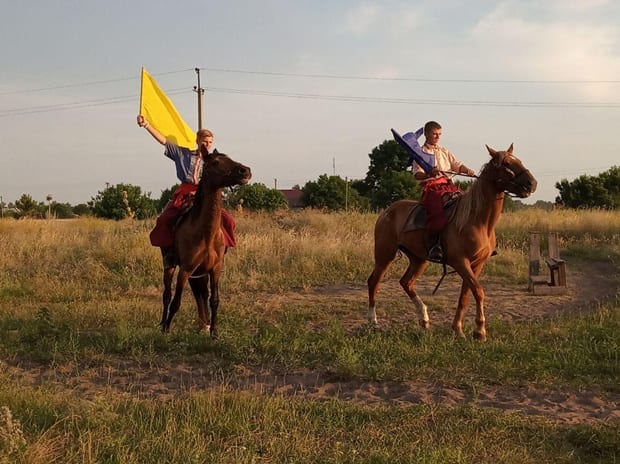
199 243
468 239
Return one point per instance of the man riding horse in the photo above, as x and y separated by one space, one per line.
429 168
189 166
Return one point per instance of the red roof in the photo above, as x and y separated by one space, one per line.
293 196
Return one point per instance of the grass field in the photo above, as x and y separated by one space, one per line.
86 376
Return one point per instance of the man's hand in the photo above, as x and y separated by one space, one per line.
141 120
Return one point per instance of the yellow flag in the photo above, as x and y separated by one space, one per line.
159 111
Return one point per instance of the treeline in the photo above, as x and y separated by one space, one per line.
386 181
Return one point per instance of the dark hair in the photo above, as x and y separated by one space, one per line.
431 125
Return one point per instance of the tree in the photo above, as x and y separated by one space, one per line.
82 210
26 206
602 191
330 192
387 179
256 197
123 201
611 182
165 197
61 210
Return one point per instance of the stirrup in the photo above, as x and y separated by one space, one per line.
435 254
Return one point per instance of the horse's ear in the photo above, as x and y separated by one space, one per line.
215 152
509 151
491 151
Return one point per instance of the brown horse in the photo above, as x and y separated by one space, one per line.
468 239
199 243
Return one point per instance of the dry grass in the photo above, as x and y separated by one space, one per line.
79 296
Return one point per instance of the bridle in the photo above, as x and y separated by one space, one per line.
513 181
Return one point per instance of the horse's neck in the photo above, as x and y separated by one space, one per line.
209 213
485 207
493 207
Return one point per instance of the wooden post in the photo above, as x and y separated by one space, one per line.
534 253
554 251
538 284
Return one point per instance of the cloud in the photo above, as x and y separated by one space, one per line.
393 22
543 45
362 18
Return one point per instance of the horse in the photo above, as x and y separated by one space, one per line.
468 239
199 243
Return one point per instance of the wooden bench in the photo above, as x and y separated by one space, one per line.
539 284
557 268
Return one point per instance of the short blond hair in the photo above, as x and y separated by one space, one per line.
203 133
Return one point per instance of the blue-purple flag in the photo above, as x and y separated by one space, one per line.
409 142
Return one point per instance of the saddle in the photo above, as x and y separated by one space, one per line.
417 216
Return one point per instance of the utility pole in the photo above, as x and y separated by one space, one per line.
49 206
200 91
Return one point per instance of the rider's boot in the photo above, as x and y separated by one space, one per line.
436 251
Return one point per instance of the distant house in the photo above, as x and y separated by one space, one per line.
293 196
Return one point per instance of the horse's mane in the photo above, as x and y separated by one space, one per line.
470 203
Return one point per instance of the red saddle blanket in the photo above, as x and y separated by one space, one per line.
162 234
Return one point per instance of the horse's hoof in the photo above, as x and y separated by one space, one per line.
165 328
425 324
214 335
480 336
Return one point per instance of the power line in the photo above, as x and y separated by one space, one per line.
86 84
415 79
76 105
324 76
325 97
414 101
314 96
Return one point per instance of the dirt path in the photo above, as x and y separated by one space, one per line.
587 284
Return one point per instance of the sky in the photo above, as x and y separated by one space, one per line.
298 89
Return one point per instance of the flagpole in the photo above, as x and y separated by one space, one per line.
200 91
141 88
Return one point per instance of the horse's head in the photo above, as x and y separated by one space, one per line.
221 171
509 174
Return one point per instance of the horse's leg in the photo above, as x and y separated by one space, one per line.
175 304
480 332
407 281
470 283
383 259
200 289
168 275
214 299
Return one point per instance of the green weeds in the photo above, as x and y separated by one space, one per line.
92 303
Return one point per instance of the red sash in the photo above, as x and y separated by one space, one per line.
162 234
436 193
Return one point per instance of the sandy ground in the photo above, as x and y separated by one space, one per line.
587 284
